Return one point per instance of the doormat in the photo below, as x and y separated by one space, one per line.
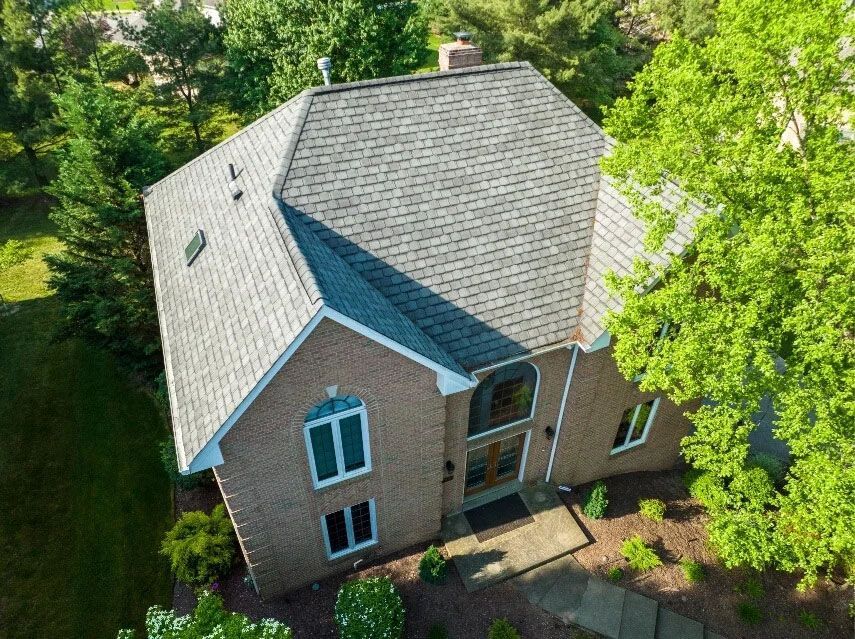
498 517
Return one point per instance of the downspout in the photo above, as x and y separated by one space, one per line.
561 412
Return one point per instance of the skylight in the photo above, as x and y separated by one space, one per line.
194 247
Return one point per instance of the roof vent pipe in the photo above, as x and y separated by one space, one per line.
324 64
233 186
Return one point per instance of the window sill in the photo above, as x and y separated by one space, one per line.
499 429
627 447
335 481
345 553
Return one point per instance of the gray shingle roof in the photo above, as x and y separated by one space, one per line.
452 212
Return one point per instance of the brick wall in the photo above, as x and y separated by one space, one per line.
595 404
266 480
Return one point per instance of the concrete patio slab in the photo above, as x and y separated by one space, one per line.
602 607
670 625
553 534
639 617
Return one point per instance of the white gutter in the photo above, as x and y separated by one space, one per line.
561 412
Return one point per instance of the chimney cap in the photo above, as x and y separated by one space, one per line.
463 37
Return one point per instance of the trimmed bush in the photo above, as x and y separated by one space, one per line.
693 571
706 488
432 566
652 509
437 631
501 629
209 619
614 574
775 467
809 620
749 613
596 502
639 555
369 609
200 547
170 465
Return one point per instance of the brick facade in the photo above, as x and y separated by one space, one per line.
413 431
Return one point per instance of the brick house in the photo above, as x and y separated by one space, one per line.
386 297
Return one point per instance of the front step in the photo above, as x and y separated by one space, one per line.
638 620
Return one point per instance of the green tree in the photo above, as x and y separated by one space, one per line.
103 277
755 125
184 49
208 619
574 43
273 46
655 20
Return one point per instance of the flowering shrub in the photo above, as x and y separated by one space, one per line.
200 547
208 621
432 566
369 609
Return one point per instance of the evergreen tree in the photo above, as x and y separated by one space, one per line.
103 277
574 43
755 125
273 45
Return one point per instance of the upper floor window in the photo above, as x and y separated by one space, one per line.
503 398
337 440
634 425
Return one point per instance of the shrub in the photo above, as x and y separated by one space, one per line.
639 555
501 629
170 465
200 547
437 631
652 509
749 613
432 566
809 620
706 488
614 574
775 467
751 588
369 609
209 619
693 571
596 501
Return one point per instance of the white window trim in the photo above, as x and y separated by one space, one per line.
348 522
334 420
638 442
499 429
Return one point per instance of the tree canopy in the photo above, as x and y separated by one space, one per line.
574 43
103 277
755 125
273 45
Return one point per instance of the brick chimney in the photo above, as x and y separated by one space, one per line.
459 54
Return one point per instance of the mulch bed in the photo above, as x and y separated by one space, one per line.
683 535
309 613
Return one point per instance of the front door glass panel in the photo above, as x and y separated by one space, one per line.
476 468
493 464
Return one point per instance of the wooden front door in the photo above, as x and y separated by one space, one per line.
493 464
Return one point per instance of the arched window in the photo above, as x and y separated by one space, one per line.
337 440
504 397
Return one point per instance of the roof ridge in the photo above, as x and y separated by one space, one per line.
228 140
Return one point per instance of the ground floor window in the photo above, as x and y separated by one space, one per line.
350 529
634 425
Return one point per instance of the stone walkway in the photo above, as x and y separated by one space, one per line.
564 589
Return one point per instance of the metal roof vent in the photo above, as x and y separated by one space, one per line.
324 65
233 186
192 250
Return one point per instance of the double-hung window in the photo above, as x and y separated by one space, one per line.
634 425
337 440
350 529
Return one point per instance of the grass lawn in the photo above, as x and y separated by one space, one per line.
119 5
430 55
83 497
